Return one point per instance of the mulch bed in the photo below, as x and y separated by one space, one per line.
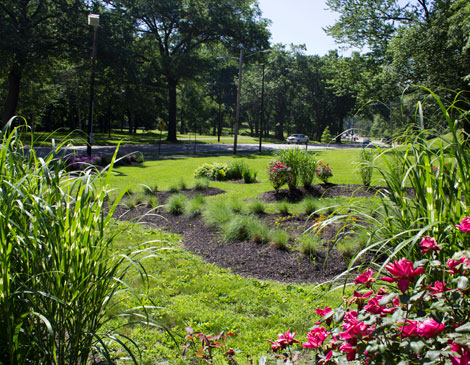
250 259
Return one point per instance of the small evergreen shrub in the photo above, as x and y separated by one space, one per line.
326 136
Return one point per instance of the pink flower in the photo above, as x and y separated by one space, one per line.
464 225
365 278
322 313
454 265
403 272
350 351
428 244
285 339
409 329
439 287
430 328
464 353
315 338
288 337
327 358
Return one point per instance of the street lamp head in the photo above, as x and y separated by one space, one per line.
93 20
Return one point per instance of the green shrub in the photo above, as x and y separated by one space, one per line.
176 204
260 233
326 135
212 171
294 159
236 170
151 190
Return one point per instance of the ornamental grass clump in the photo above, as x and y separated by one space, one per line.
59 273
365 166
176 204
294 159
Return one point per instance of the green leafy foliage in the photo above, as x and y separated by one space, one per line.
59 273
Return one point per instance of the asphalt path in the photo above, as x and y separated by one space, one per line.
153 151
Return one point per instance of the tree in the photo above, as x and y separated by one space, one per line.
180 29
32 32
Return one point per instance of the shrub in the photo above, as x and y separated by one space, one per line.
214 171
259 233
326 136
323 172
365 166
278 173
176 204
151 190
420 310
293 158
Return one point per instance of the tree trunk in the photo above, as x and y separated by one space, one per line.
171 109
13 96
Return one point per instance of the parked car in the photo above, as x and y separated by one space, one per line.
297 138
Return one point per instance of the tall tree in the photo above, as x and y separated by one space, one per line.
181 28
33 31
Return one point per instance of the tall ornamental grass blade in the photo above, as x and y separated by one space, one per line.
59 273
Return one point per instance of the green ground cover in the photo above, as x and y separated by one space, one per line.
190 292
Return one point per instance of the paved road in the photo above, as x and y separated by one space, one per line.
153 151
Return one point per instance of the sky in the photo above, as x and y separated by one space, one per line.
300 22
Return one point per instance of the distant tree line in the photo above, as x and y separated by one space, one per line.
177 62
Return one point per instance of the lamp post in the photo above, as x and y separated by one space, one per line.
261 119
94 21
239 91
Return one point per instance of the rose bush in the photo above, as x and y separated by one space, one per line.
324 172
419 313
278 174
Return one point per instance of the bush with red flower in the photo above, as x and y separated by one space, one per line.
324 172
278 173
418 313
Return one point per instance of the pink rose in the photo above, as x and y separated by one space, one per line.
402 272
430 328
464 225
365 278
428 244
315 338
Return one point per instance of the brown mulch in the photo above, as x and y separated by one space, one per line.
250 259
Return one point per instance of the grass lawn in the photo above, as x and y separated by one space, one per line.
210 300
207 298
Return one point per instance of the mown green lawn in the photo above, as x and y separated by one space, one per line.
193 293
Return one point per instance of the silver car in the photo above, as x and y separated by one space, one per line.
297 138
